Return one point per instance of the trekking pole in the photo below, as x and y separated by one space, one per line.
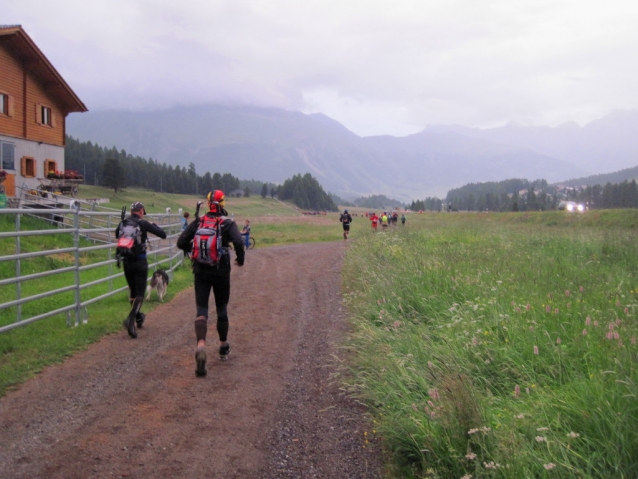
199 204
122 216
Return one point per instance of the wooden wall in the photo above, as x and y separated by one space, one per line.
25 114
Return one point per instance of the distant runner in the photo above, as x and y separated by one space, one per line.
345 219
384 220
374 219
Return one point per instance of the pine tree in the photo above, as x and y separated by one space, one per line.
113 174
264 191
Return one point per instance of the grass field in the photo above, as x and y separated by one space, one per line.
25 351
500 345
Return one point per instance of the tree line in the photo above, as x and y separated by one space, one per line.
115 169
524 195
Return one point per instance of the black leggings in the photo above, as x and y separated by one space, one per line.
219 281
136 273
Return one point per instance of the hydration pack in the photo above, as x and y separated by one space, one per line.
129 239
207 242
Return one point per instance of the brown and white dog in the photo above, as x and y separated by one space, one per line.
159 282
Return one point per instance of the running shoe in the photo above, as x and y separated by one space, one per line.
224 351
129 324
139 320
200 359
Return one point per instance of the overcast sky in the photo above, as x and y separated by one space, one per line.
379 67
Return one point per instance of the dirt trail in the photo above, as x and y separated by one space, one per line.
134 408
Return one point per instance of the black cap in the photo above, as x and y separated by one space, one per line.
138 206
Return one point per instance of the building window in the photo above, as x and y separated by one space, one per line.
7 156
6 104
50 166
28 167
46 116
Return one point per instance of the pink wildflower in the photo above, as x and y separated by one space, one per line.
528 307
536 350
618 321
414 408
513 303
611 326
610 335
548 308
633 340
434 393
397 324
587 321
558 341
471 456
616 335
567 293
584 332
595 324
518 310
556 311
626 310
549 466
531 329
581 289
517 391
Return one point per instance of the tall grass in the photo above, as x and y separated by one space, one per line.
491 348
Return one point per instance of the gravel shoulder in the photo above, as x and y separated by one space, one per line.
134 408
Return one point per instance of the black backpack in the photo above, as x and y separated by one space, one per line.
129 241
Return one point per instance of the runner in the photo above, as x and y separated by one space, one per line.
374 219
345 219
403 219
384 221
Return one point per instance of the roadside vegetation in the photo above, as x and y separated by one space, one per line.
499 345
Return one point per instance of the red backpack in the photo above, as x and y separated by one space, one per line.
207 242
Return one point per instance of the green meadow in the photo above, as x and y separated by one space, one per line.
499 345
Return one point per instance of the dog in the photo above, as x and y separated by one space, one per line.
159 281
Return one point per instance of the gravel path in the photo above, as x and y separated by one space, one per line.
134 408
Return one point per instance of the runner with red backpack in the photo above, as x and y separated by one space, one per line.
207 239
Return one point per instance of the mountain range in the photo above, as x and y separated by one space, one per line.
271 145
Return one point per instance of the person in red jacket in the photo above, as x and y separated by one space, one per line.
215 277
374 219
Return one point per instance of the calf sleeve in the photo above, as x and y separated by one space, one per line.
222 327
201 328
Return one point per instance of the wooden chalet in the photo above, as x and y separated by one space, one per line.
34 103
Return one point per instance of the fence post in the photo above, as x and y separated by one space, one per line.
76 244
18 275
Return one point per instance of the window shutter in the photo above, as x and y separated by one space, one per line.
38 113
53 115
10 106
23 166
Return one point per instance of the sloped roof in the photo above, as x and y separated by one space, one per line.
15 39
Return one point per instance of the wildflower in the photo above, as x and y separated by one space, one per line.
626 310
536 350
584 332
612 326
528 307
531 329
555 310
471 456
485 429
549 466
513 303
633 340
558 341
595 324
567 293
397 324
491 465
518 310
430 365
618 321
434 393
548 308
414 407
610 335
432 414
573 435
431 404
581 289
466 476
542 429
616 335
541 439
473 431
568 305
474 341
587 321
527 390
517 391
520 416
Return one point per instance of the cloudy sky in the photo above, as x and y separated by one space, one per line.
377 66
